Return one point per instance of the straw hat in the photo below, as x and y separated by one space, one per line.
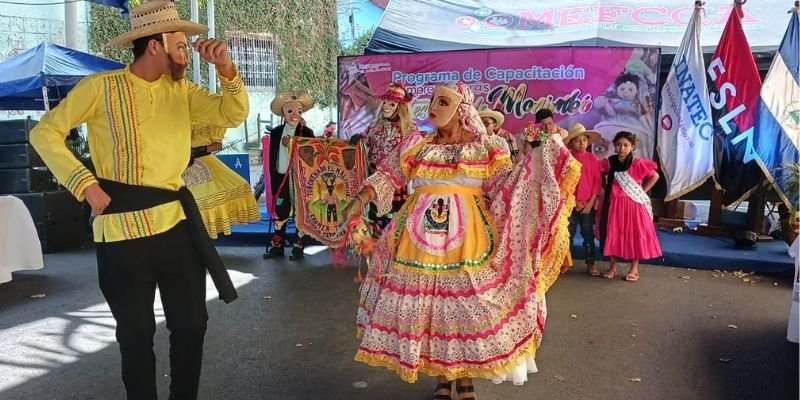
151 18
286 97
497 116
577 130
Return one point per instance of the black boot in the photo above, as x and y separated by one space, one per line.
297 250
275 249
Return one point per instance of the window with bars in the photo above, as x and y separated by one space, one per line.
254 55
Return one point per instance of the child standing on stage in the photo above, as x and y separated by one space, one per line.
586 193
625 222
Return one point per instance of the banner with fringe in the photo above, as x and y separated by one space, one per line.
326 174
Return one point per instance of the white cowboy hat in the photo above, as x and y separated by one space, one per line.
497 116
151 18
286 97
577 130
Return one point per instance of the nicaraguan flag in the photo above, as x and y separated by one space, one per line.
685 129
778 123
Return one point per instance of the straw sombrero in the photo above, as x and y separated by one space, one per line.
497 116
578 129
286 97
151 18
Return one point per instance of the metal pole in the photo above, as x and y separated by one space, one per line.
71 25
195 10
212 33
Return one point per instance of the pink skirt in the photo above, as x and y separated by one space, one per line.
631 232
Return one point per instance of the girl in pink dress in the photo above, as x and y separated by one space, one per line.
625 222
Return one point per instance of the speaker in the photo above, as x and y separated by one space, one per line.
58 217
26 180
16 130
20 155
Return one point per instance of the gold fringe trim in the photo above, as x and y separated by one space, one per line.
411 375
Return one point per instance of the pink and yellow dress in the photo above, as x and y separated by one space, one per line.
450 292
223 196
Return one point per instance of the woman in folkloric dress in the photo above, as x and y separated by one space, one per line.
456 286
223 197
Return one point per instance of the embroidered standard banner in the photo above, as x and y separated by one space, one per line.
326 173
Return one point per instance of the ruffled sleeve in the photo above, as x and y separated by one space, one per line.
390 175
644 168
499 166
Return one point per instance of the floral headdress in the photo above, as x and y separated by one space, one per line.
397 92
468 114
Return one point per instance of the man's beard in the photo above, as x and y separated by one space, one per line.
177 71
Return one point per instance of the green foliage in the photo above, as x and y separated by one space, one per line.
306 35
359 44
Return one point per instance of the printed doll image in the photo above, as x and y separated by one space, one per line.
623 110
331 200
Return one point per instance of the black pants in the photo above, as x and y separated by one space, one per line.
129 272
284 209
586 221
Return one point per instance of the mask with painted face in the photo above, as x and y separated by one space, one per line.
178 51
292 113
389 109
443 106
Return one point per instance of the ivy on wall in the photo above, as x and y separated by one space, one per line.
306 35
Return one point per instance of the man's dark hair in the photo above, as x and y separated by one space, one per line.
140 44
543 113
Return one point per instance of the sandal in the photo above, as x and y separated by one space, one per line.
566 268
442 386
591 270
466 389
610 274
632 277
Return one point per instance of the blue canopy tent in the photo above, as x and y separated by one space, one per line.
44 74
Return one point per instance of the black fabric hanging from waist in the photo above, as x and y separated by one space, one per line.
129 198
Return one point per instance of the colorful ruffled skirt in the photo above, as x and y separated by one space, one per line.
223 196
434 302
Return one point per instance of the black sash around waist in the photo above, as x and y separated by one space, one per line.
129 198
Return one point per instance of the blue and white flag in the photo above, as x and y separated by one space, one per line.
685 129
778 121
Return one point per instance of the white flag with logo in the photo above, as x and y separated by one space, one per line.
685 129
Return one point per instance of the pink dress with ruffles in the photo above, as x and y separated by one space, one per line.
631 233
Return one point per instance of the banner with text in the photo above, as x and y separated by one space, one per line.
608 89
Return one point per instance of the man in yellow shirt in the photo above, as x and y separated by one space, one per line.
147 227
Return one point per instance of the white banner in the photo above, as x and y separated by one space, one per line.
685 129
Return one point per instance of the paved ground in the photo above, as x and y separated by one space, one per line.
291 336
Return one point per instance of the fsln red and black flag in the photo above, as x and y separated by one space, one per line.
734 86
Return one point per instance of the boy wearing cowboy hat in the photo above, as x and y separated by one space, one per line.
493 121
289 105
148 230
578 141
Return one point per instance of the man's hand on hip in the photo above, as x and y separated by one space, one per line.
97 198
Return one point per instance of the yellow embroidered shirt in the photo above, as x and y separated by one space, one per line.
139 134
204 135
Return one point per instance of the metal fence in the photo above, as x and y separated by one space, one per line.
255 56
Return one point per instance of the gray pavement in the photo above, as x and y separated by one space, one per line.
291 336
